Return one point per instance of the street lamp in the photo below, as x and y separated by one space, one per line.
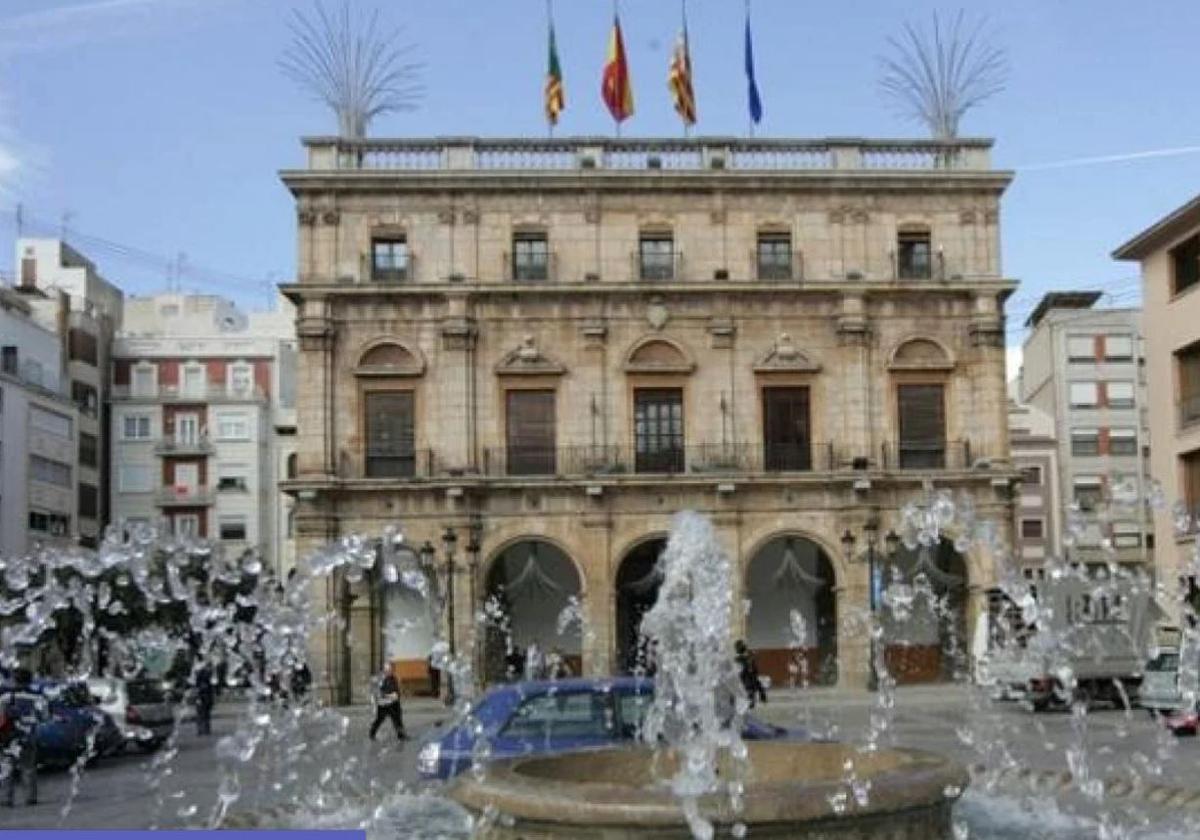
891 546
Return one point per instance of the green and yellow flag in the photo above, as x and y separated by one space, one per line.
556 98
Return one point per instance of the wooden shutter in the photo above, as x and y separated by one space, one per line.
922 426
531 432
1189 375
786 429
391 451
1191 481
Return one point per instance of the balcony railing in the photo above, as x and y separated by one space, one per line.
645 154
400 272
399 462
777 267
184 496
927 455
695 459
204 393
198 446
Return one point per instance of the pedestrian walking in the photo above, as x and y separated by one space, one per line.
21 710
435 678
748 671
387 705
205 699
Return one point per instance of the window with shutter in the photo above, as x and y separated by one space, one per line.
1191 480
922 426
658 429
1187 362
391 449
786 429
531 433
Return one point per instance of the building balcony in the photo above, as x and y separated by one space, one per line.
181 496
216 392
169 446
665 156
927 455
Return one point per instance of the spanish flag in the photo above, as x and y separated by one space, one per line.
679 80
556 99
615 87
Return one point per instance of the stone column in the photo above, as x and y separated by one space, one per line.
600 596
854 641
455 383
315 528
853 333
987 411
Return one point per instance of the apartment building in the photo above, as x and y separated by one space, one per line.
39 435
69 297
1083 366
203 395
529 354
1035 456
1169 254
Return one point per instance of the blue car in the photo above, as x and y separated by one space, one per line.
70 717
531 718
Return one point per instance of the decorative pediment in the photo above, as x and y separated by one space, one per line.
388 357
921 354
785 358
528 360
658 355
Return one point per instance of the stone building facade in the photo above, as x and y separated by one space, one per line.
563 343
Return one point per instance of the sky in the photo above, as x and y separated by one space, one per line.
154 128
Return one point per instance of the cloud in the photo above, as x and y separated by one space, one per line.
78 23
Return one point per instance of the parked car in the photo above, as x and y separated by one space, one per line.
1159 691
139 708
531 718
1183 721
71 717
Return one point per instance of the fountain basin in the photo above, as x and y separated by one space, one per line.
617 793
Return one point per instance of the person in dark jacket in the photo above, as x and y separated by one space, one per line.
205 699
748 671
387 705
22 710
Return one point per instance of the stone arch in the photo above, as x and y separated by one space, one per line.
659 354
635 591
789 573
558 544
921 352
927 640
388 356
530 580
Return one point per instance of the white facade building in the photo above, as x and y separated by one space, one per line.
38 435
203 413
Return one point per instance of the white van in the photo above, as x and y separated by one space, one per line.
1160 684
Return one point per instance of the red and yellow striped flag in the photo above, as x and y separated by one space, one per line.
616 88
679 80
556 99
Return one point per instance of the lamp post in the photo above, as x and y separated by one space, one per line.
891 545
474 547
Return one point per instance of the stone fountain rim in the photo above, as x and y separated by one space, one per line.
922 780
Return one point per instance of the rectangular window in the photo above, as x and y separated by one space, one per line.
787 444
1126 535
658 430
186 525
1185 265
50 422
1031 529
193 381
531 432
1031 476
774 256
135 478
914 255
232 480
45 522
1122 441
389 259
1190 464
656 256
82 346
922 421
89 501
187 429
531 257
240 380
8 359
1084 395
1118 348
233 426
1187 367
51 472
1085 441
84 397
391 435
144 380
1081 349
135 427
89 450
1088 491
232 528
1119 394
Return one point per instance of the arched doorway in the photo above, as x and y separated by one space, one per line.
792 575
923 613
638 580
529 586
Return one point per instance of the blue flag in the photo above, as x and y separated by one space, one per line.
756 109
